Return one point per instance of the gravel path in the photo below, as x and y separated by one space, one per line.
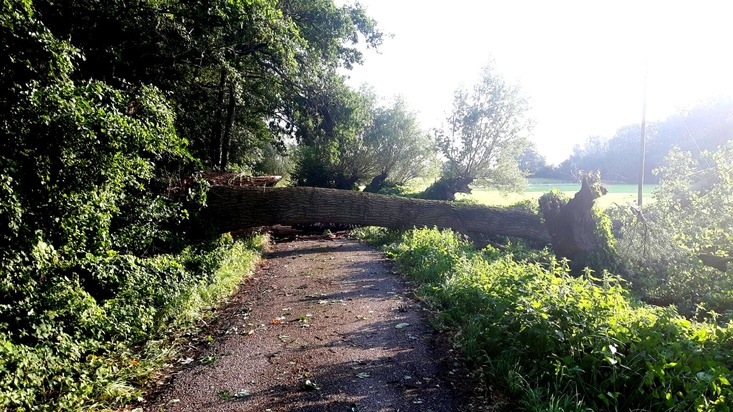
324 325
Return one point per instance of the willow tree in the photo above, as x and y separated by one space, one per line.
330 119
486 131
399 149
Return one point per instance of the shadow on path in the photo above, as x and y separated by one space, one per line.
330 329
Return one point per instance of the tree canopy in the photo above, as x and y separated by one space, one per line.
106 107
230 68
399 149
486 131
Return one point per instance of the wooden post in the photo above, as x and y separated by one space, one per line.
640 199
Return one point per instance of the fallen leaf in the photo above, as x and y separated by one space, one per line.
242 393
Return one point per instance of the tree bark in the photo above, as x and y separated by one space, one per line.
227 140
574 228
232 209
217 129
377 183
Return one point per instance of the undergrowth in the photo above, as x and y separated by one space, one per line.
678 250
63 348
549 341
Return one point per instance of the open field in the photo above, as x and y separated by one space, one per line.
617 193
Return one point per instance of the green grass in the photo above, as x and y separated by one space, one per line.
617 193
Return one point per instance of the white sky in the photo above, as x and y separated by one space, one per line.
581 63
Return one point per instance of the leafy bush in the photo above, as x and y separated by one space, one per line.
92 266
550 339
73 350
690 220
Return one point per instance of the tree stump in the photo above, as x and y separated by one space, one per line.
577 231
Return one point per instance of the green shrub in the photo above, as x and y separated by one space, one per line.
94 267
551 339
692 216
71 350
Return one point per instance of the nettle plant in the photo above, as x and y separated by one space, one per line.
550 340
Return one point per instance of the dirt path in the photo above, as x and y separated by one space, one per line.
323 325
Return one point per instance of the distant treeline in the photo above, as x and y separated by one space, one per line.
702 128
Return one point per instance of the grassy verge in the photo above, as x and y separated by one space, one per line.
617 194
78 350
549 341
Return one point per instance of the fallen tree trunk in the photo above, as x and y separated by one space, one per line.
234 208
576 230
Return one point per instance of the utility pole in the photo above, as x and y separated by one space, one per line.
643 141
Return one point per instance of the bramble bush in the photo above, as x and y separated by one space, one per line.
553 341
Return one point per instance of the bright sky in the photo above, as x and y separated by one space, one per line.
581 63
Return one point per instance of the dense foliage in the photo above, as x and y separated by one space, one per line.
106 107
332 151
367 143
399 151
240 75
94 330
486 132
679 246
543 340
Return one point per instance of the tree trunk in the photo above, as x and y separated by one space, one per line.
231 209
717 262
377 183
227 140
446 188
215 153
574 227
345 183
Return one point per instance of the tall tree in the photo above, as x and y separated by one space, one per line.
230 67
531 161
331 122
398 148
486 130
